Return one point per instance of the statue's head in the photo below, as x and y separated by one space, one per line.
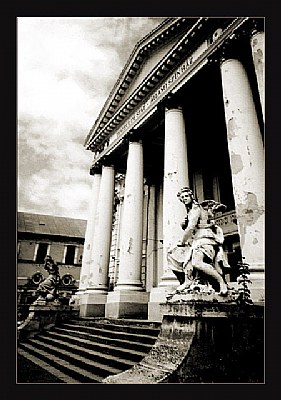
50 265
54 269
186 196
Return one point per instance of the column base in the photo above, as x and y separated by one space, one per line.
169 281
157 296
92 304
78 295
126 304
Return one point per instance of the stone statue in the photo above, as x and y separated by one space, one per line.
198 256
47 289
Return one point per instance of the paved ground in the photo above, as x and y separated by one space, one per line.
28 372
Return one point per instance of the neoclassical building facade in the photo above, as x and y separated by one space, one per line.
187 110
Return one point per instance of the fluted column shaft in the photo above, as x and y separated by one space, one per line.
98 278
246 159
89 234
132 222
175 177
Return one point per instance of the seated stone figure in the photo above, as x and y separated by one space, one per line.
47 289
199 252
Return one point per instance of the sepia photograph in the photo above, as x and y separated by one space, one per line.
140 200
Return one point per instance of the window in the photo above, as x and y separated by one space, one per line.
70 254
41 252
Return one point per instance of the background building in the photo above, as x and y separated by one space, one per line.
40 235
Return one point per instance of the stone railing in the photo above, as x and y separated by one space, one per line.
228 222
43 317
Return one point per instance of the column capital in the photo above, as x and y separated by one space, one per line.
131 136
95 169
171 102
106 162
134 136
174 108
257 26
108 165
231 47
229 50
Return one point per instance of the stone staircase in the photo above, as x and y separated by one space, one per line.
87 350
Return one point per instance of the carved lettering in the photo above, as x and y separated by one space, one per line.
152 99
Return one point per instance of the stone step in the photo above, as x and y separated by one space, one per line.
33 364
69 369
105 340
112 333
71 351
87 350
128 325
91 342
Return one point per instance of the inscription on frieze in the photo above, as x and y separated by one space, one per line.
167 85
155 96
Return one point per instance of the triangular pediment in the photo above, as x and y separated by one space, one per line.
147 67
147 54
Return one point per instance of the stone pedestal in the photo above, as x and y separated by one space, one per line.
126 304
203 342
92 304
158 296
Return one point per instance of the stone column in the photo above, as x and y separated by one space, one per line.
175 177
89 235
128 299
94 299
151 247
247 166
258 51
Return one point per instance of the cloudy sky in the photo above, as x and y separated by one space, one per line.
66 69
